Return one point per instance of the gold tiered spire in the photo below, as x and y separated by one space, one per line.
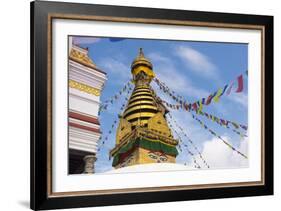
143 135
142 64
142 105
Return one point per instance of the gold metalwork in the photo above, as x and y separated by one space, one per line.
140 93
158 123
141 98
153 128
136 103
141 59
143 156
140 132
142 64
124 128
138 122
141 114
138 107
81 58
84 88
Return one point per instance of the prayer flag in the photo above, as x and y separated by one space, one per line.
235 125
203 101
225 87
229 89
240 83
210 99
194 106
216 97
200 106
244 127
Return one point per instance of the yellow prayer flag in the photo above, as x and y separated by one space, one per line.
216 98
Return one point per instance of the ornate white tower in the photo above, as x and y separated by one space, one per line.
86 82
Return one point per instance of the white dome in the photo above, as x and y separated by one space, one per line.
152 167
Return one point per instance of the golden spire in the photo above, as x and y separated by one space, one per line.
143 132
142 64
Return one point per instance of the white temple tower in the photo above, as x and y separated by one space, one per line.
86 82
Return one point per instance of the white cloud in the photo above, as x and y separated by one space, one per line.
218 155
156 57
196 61
166 71
116 67
240 98
85 40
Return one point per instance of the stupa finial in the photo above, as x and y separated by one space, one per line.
141 54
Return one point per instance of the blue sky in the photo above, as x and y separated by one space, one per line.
191 69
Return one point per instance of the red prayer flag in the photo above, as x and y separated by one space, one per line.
209 100
194 106
240 84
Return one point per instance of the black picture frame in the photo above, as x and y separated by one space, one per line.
40 106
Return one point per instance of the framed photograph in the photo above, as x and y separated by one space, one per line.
141 105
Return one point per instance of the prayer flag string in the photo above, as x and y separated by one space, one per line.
189 140
115 97
218 136
104 137
196 164
214 97
225 123
220 121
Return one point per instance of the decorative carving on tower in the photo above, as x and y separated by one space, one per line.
86 83
143 135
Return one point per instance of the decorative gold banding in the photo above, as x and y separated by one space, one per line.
140 102
141 87
141 98
145 88
138 107
140 93
81 58
84 88
139 122
143 114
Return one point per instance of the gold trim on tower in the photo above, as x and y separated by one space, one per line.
143 129
83 87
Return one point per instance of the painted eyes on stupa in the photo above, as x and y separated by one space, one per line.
159 158
152 156
163 159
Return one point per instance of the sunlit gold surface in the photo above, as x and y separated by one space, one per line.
138 115
84 88
81 58
143 117
140 93
138 107
158 123
142 64
123 129
141 102
141 98
143 156
148 134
